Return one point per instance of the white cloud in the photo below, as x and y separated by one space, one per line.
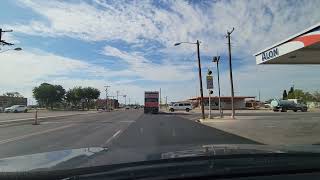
148 70
21 71
258 24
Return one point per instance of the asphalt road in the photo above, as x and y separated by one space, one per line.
116 130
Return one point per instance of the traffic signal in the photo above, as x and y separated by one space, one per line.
209 72
211 92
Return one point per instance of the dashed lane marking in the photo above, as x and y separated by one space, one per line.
33 134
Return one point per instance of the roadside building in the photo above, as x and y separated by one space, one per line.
7 101
254 104
112 103
239 102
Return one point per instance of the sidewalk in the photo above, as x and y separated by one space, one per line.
283 129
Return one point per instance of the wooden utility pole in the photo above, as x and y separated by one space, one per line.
231 78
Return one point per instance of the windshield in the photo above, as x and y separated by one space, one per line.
139 80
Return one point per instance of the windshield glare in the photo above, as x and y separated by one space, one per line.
125 81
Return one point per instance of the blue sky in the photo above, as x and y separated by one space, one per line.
129 45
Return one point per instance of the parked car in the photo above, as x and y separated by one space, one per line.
180 106
16 109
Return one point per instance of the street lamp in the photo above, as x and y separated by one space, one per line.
216 59
15 49
200 76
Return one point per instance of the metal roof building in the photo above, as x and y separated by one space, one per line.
239 102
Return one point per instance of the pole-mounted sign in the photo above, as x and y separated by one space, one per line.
209 80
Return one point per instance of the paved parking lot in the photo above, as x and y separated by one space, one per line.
272 128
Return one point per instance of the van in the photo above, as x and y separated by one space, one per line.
180 107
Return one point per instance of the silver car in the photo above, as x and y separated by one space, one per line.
16 109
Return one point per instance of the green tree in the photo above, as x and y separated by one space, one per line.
308 97
291 93
284 95
316 96
12 94
90 94
47 94
81 95
74 95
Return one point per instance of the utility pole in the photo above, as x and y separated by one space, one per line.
259 96
106 97
231 78
125 100
200 78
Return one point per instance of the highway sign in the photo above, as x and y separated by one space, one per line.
209 82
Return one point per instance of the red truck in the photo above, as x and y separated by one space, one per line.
151 102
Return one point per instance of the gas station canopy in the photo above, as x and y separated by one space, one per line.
301 48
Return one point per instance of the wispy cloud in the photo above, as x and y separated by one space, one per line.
145 69
257 23
150 28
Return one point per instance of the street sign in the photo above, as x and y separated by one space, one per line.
209 82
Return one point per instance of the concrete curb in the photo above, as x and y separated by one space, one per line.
216 119
41 118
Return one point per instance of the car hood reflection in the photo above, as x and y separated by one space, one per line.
97 156
45 160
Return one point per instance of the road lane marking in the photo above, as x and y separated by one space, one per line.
113 136
33 134
45 117
127 121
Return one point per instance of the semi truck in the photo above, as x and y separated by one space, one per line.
284 105
151 102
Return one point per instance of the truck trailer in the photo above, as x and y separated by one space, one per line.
151 102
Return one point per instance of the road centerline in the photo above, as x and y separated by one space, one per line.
113 136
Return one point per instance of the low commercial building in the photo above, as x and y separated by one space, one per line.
239 102
112 103
254 104
7 101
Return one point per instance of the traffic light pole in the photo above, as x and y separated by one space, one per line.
220 111
209 104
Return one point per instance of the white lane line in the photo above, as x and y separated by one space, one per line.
45 117
113 136
127 121
34 134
